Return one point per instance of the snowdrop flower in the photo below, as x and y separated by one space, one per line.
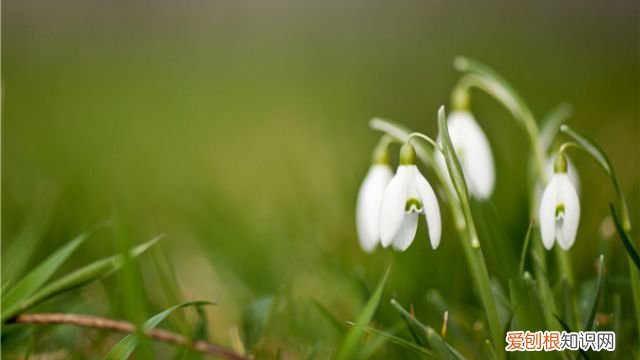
408 195
370 198
559 208
474 152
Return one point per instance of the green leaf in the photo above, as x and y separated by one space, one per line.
453 164
254 319
125 347
590 323
37 277
351 340
80 277
628 244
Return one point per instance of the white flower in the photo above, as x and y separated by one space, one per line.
474 153
408 195
368 206
559 212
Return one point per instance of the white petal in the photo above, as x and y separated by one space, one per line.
368 205
392 209
407 232
547 215
431 209
569 197
474 152
573 175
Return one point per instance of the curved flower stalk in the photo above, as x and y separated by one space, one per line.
559 208
473 150
406 197
370 197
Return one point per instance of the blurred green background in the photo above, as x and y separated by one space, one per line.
239 130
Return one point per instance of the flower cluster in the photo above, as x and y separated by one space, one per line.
388 205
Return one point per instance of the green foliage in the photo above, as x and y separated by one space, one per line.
125 347
75 279
590 322
351 340
16 295
254 320
626 240
388 336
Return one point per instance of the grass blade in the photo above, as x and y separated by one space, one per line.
590 323
80 277
38 276
400 341
626 241
351 340
567 328
254 320
125 347
441 348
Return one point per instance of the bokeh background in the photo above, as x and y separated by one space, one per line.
239 129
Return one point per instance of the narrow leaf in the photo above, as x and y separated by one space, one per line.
351 340
628 244
125 347
400 341
567 328
588 326
38 276
254 319
453 164
80 277
442 349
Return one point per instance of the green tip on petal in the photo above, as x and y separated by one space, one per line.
559 210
